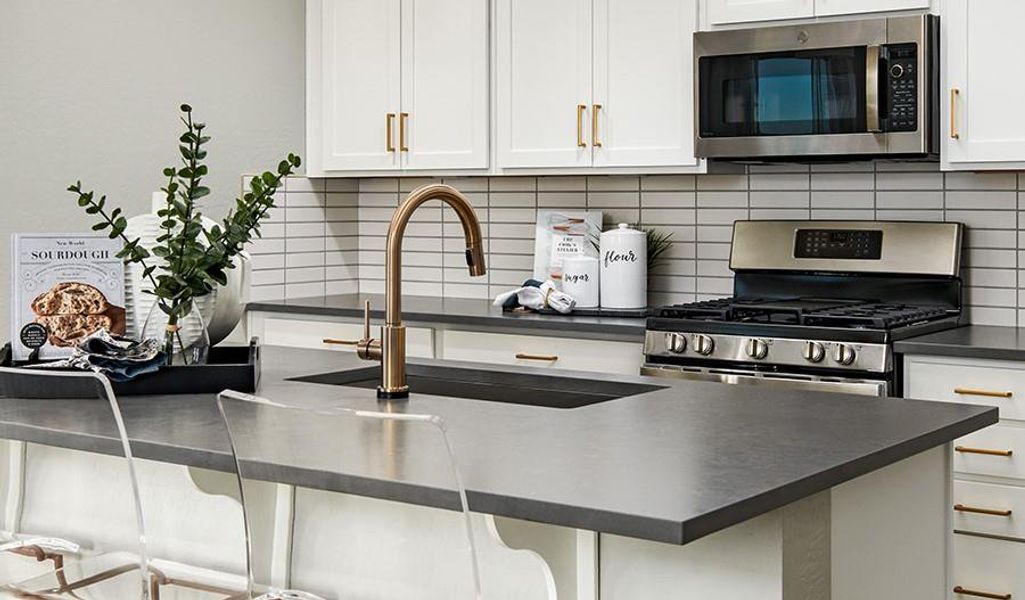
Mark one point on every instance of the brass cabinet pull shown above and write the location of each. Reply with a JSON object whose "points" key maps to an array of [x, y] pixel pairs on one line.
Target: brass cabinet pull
{"points": [[547, 357], [580, 125], [967, 592], [340, 342], [988, 393], [403, 117], [595, 141], [389, 121], [987, 451], [954, 93], [982, 511]]}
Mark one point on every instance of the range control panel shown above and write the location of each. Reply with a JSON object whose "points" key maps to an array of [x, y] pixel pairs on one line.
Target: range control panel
{"points": [[853, 244], [900, 81]]}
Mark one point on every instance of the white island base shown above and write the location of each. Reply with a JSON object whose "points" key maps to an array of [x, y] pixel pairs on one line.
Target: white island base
{"points": [[885, 535]]}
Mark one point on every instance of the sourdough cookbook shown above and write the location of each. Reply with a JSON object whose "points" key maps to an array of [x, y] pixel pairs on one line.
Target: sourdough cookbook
{"points": [[64, 287]]}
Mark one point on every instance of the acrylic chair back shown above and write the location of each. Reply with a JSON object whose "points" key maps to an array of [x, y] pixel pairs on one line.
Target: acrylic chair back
{"points": [[71, 521], [378, 507]]}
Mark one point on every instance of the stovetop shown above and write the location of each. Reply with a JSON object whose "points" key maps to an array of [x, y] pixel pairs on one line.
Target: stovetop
{"points": [[806, 317]]}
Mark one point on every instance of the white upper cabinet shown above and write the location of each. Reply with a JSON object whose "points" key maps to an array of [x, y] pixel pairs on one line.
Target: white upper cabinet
{"points": [[849, 7], [543, 83], [725, 12], [595, 83], [397, 85], [360, 72], [721, 12], [642, 105], [981, 124], [445, 84]]}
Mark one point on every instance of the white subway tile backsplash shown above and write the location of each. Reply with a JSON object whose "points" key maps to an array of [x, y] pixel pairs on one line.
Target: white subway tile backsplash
{"points": [[329, 235]]}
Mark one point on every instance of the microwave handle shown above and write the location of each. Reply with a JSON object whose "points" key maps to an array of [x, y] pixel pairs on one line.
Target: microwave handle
{"points": [[872, 89]]}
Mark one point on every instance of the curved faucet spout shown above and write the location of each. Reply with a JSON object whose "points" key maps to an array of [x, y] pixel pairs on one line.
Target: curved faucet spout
{"points": [[393, 334]]}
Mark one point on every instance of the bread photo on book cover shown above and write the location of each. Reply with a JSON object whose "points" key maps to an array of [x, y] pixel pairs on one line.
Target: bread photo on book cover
{"points": [[73, 310]]}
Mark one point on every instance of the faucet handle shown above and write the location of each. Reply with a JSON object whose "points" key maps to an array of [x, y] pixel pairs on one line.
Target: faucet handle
{"points": [[366, 320]]}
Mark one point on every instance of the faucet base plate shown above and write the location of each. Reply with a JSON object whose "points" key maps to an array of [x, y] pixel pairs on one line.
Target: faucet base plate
{"points": [[384, 394]]}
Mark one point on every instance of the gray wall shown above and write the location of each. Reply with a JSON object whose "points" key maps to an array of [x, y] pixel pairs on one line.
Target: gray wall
{"points": [[90, 90]]}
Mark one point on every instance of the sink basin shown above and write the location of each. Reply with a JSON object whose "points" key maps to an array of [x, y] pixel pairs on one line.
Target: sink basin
{"points": [[552, 391]]}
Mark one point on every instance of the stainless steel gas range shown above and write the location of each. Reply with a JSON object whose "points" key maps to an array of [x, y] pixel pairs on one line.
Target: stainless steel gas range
{"points": [[815, 305]]}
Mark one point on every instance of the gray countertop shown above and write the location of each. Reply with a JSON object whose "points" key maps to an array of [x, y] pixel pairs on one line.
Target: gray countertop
{"points": [[670, 465], [463, 312], [971, 341]]}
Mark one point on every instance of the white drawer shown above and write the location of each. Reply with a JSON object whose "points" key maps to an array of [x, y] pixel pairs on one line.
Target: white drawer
{"points": [[992, 383], [311, 334], [997, 450], [989, 508], [989, 566], [539, 351]]}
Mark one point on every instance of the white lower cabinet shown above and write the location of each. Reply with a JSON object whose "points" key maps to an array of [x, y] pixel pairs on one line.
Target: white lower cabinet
{"points": [[988, 568], [298, 333], [623, 358], [989, 471]]}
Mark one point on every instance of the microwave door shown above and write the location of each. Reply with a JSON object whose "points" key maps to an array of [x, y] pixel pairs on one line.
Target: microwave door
{"points": [[796, 93]]}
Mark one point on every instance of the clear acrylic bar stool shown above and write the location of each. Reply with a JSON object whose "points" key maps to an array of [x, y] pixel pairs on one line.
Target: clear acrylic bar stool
{"points": [[352, 536], [71, 523]]}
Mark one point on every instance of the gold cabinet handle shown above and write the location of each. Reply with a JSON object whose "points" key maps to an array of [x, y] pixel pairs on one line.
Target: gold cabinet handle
{"points": [[986, 451], [545, 357], [967, 592], [954, 93], [580, 125], [403, 117], [987, 393], [389, 121], [996, 512], [595, 141], [340, 342]]}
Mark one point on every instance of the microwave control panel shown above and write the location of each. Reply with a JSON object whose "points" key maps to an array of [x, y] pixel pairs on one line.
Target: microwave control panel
{"points": [[900, 62]]}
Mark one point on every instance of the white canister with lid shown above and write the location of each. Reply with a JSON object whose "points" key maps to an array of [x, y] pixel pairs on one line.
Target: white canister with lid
{"points": [[624, 268], [580, 276]]}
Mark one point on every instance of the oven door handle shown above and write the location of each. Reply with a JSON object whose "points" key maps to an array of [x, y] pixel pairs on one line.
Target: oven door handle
{"points": [[862, 387], [872, 123]]}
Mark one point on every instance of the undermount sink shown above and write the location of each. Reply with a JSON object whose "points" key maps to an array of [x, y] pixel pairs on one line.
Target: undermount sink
{"points": [[552, 391]]}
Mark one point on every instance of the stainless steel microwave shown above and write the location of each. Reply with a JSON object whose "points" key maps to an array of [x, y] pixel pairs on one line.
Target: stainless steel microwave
{"points": [[847, 89]]}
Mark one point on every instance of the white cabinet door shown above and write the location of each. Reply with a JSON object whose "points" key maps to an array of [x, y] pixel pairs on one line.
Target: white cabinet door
{"points": [[849, 7], [622, 358], [721, 12], [543, 77], [981, 94], [445, 84], [360, 83], [643, 83]]}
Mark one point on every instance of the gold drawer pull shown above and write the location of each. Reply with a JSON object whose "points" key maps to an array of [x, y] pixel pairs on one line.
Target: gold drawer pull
{"points": [[595, 140], [580, 125], [982, 511], [340, 342], [389, 123], [547, 357], [967, 592], [954, 93], [986, 451], [987, 393]]}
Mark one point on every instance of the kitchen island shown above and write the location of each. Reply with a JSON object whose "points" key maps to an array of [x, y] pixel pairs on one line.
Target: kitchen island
{"points": [[689, 490]]}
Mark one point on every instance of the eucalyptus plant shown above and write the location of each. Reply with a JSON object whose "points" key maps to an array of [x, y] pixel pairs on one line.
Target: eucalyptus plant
{"points": [[191, 258]]}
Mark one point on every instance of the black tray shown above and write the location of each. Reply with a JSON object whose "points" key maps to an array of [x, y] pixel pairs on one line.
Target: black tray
{"points": [[227, 368]]}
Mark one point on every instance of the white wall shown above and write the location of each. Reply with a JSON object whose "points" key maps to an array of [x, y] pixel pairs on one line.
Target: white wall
{"points": [[90, 90]]}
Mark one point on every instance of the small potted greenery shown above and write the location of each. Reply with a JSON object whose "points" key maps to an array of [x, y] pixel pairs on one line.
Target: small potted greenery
{"points": [[189, 259]]}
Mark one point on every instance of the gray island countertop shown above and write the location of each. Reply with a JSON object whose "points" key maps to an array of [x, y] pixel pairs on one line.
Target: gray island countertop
{"points": [[670, 465], [459, 312]]}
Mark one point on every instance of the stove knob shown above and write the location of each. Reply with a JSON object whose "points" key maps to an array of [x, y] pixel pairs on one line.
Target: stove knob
{"points": [[676, 343], [843, 354], [756, 349], [813, 352], [704, 344]]}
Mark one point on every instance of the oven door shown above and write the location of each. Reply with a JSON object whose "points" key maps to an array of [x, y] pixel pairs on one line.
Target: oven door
{"points": [[817, 89], [863, 387]]}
